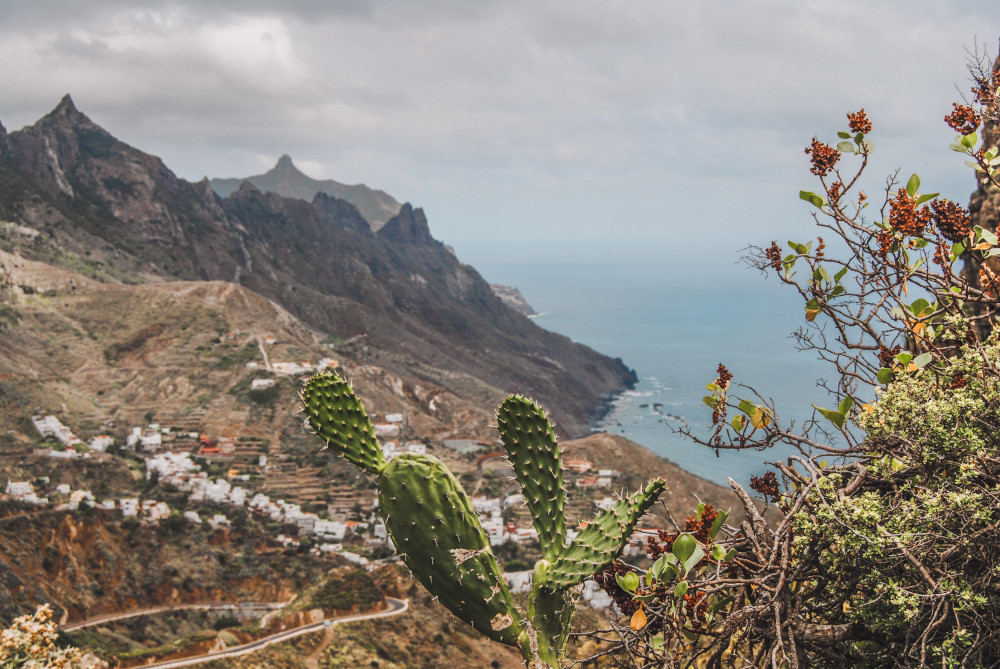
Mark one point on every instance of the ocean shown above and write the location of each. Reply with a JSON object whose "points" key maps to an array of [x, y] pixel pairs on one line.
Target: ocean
{"points": [[674, 331]]}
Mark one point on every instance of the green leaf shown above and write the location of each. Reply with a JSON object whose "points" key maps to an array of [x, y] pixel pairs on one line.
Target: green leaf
{"points": [[711, 400], [656, 642], [839, 275], [970, 140], [884, 375], [956, 147], [718, 552], [845, 405], [718, 523], [926, 198], [660, 567], [834, 417], [837, 290], [956, 250], [712, 386], [629, 582], [747, 407], [812, 198], [919, 306], [684, 547], [719, 604], [844, 135], [738, 422], [701, 510], [858, 138], [904, 358], [921, 360], [681, 589], [730, 555], [845, 147], [912, 185], [988, 236], [694, 559]]}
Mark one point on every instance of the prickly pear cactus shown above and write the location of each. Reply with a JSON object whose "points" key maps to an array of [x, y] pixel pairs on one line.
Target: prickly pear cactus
{"points": [[437, 532]]}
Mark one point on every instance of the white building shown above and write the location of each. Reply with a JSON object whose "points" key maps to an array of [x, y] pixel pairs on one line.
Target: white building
{"points": [[386, 430], [129, 506], [101, 443], [22, 491], [261, 384], [331, 530]]}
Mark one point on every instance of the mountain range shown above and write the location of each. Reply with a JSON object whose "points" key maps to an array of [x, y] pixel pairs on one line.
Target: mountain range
{"points": [[87, 202]]}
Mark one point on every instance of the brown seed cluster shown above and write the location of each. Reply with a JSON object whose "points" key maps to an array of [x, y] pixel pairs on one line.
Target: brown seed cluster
{"points": [[904, 216], [858, 121], [766, 485], [723, 376], [964, 119], [824, 157], [952, 220], [773, 254], [886, 356]]}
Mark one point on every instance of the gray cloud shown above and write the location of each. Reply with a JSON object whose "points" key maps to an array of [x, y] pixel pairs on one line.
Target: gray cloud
{"points": [[512, 116]]}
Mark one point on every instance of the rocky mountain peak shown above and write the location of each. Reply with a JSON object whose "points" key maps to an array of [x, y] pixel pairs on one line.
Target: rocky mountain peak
{"points": [[285, 163], [408, 226]]}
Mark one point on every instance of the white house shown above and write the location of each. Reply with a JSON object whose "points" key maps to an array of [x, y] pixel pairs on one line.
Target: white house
{"points": [[22, 491], [261, 384], [101, 443], [129, 506]]}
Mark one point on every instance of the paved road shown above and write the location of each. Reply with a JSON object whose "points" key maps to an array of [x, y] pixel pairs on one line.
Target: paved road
{"points": [[396, 606], [99, 620]]}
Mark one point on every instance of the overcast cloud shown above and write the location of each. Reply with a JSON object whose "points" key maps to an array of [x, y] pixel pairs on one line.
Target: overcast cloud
{"points": [[635, 127]]}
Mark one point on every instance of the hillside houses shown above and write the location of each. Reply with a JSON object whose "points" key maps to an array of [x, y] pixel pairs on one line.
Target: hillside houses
{"points": [[50, 426]]}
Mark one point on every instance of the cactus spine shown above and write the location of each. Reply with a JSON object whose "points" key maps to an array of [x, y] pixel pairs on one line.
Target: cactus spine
{"points": [[436, 531]]}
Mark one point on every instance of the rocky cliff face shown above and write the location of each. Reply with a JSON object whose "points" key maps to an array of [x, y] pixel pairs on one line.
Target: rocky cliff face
{"points": [[127, 218]]}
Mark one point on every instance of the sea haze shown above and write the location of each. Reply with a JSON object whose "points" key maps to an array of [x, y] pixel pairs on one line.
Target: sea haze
{"points": [[674, 331]]}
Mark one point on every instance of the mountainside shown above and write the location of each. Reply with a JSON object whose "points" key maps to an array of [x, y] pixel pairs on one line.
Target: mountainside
{"points": [[77, 197], [376, 206]]}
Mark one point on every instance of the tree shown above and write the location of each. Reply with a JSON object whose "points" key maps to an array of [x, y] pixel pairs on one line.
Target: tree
{"points": [[886, 547]]}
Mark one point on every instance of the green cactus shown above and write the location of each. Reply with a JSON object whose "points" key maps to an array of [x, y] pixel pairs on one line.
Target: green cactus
{"points": [[436, 531]]}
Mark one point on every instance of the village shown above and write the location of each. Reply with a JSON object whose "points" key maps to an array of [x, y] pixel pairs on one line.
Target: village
{"points": [[178, 460]]}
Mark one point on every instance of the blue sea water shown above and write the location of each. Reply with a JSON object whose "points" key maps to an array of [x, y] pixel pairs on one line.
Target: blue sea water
{"points": [[674, 331]]}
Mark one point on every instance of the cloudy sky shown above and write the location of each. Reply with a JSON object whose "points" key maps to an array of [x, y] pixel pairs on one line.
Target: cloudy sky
{"points": [[655, 129]]}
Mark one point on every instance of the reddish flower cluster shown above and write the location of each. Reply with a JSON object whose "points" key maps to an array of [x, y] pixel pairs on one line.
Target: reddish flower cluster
{"points": [[859, 122], [964, 120], [988, 281], [820, 248], [886, 355], [904, 216], [724, 377], [766, 485], [959, 381], [942, 255], [835, 191], [824, 157], [773, 254], [985, 89], [952, 220]]}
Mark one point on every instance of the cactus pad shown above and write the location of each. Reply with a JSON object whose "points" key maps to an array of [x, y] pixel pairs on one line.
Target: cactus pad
{"points": [[602, 540], [337, 417], [436, 530], [531, 446]]}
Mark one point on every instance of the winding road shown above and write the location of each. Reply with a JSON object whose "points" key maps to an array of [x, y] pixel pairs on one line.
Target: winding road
{"points": [[396, 606]]}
